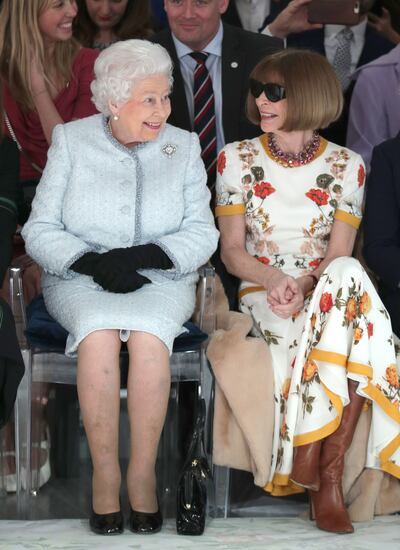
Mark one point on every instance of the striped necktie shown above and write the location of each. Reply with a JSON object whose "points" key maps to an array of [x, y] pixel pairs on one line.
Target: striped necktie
{"points": [[204, 115]]}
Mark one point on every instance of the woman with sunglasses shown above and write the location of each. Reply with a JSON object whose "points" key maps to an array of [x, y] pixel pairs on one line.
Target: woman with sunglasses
{"points": [[289, 205]]}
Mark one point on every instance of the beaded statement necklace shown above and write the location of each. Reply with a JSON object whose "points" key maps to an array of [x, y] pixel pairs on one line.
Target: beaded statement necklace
{"points": [[292, 160]]}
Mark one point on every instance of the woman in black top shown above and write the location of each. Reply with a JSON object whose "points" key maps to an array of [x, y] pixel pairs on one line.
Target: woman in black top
{"points": [[11, 363]]}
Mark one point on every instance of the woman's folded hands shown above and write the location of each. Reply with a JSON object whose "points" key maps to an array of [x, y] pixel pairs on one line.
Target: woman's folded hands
{"points": [[116, 270], [285, 294]]}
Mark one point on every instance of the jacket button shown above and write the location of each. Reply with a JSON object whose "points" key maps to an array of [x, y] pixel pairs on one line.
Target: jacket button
{"points": [[126, 210], [125, 238], [125, 182]]}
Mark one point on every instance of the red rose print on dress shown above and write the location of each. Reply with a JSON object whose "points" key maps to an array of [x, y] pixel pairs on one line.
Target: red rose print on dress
{"points": [[319, 197], [263, 189], [370, 328], [221, 162], [315, 263], [263, 259], [326, 302], [361, 176]]}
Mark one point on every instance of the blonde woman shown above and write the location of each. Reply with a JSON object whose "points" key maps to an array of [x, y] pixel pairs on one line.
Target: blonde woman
{"points": [[46, 77], [289, 205]]}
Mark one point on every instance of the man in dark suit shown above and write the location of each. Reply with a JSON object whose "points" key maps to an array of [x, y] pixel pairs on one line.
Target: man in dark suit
{"points": [[237, 51], [381, 225], [232, 54]]}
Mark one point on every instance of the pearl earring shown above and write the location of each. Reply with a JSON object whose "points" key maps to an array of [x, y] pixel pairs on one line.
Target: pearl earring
{"points": [[116, 117]]}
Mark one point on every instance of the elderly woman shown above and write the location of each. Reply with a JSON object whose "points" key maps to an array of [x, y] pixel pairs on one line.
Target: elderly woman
{"points": [[120, 223], [289, 205]]}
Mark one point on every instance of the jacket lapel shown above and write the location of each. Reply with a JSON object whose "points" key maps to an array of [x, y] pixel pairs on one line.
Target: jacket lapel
{"points": [[232, 75], [180, 113]]}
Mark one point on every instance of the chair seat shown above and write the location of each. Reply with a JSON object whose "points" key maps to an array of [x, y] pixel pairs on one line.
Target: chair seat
{"points": [[46, 334]]}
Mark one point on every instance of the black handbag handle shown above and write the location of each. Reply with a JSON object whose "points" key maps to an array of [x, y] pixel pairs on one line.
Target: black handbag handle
{"points": [[197, 444]]}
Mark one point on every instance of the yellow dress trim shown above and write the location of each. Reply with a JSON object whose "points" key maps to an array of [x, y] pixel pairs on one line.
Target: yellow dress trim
{"points": [[350, 219], [373, 392], [376, 395], [230, 210], [281, 486], [328, 356], [328, 429], [341, 360], [264, 142], [359, 368], [250, 290]]}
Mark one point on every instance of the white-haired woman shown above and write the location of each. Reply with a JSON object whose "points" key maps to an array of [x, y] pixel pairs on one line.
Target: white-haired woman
{"points": [[120, 223]]}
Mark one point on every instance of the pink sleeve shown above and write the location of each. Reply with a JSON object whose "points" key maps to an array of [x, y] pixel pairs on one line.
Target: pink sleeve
{"points": [[84, 73]]}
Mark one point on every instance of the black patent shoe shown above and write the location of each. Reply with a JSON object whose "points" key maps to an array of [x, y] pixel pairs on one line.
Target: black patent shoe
{"points": [[145, 523], [107, 524]]}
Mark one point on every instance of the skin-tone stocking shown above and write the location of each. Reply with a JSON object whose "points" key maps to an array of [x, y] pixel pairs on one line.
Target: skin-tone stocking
{"points": [[98, 390], [148, 391]]}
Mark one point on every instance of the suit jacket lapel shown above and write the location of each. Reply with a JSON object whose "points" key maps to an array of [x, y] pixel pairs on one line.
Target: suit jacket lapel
{"points": [[232, 75], [180, 113]]}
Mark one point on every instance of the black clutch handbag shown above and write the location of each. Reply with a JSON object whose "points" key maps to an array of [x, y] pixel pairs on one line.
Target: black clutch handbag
{"points": [[192, 483]]}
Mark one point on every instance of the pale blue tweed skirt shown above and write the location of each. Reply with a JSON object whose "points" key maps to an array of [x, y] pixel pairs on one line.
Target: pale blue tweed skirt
{"points": [[82, 307]]}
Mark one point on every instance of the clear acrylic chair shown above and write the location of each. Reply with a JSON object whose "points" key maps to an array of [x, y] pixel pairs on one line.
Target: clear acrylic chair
{"points": [[53, 367]]}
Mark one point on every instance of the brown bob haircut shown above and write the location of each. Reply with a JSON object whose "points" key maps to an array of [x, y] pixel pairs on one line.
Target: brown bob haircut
{"points": [[313, 92]]}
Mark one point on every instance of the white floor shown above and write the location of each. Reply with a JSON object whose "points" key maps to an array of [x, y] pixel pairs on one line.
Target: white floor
{"points": [[233, 533]]}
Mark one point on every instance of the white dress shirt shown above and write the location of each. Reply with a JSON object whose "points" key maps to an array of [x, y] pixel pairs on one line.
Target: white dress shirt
{"points": [[252, 13], [213, 64], [356, 45]]}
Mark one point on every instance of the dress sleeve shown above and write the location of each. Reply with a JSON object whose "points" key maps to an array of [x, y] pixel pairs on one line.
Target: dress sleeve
{"points": [[84, 73], [229, 199], [349, 209], [46, 239]]}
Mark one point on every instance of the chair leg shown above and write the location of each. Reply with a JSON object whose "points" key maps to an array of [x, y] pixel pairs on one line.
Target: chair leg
{"points": [[22, 429]]}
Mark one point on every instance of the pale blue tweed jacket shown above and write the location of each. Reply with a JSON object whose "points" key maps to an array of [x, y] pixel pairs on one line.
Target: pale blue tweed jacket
{"points": [[96, 194]]}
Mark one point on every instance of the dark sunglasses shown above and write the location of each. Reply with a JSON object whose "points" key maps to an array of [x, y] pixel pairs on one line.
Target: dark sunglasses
{"points": [[273, 92]]}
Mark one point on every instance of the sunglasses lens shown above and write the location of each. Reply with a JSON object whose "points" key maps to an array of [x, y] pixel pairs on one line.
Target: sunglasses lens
{"points": [[274, 92], [256, 88]]}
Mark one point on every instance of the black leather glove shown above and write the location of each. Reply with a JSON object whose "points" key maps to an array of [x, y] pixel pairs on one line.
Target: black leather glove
{"points": [[86, 264], [143, 256], [121, 283], [122, 263]]}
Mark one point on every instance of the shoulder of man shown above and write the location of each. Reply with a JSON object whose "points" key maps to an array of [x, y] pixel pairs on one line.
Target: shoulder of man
{"points": [[251, 41], [163, 37], [390, 148]]}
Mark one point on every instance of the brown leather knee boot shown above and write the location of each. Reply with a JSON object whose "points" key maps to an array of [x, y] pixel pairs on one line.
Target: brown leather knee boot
{"points": [[305, 471], [328, 503]]}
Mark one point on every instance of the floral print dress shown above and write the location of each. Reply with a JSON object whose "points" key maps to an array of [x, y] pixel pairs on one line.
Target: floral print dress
{"points": [[343, 331]]}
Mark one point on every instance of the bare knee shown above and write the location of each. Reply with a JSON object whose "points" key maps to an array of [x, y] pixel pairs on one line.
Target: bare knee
{"points": [[149, 356], [100, 347]]}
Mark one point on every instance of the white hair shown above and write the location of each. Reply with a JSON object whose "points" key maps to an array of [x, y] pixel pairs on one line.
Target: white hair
{"points": [[119, 67]]}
